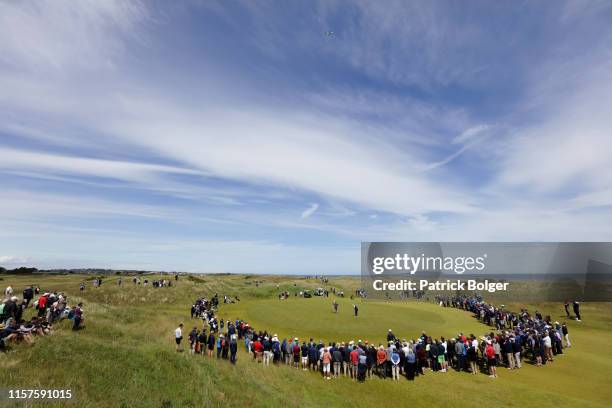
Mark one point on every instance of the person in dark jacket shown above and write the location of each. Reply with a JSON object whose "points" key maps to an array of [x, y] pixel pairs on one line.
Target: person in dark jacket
{"points": [[508, 351], [577, 309], [225, 348], [313, 356], [565, 332], [10, 309], [193, 337], [202, 340], [78, 317], [210, 344], [304, 352], [337, 360], [346, 360], [233, 348], [402, 356], [516, 349], [371, 359], [461, 353], [28, 295], [421, 359], [450, 353], [267, 346], [284, 352], [433, 355]]}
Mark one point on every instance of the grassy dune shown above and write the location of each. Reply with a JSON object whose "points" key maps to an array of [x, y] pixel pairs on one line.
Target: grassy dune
{"points": [[125, 356]]}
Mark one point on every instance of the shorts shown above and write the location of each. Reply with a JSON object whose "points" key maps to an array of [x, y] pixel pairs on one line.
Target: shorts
{"points": [[491, 362], [441, 358], [326, 367], [178, 340], [296, 359], [304, 360]]}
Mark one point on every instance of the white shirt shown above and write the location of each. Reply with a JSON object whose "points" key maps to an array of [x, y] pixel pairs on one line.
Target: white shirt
{"points": [[178, 333]]}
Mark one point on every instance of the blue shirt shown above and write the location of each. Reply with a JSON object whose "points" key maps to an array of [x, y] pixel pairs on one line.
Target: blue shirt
{"points": [[411, 357]]}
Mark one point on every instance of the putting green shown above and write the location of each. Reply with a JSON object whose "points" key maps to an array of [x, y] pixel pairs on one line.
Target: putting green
{"points": [[315, 318]]}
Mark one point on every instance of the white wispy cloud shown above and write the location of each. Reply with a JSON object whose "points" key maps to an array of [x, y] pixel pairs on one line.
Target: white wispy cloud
{"points": [[310, 210], [24, 160], [30, 205], [309, 155], [63, 26], [570, 147], [471, 133], [295, 150], [12, 260], [468, 139]]}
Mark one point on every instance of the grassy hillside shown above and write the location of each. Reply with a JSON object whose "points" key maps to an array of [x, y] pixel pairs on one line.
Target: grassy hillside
{"points": [[125, 356]]}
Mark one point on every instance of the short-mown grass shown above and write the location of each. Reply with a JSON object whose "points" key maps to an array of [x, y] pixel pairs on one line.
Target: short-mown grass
{"points": [[125, 356]]}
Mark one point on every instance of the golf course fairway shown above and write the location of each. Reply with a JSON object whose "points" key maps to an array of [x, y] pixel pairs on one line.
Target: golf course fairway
{"points": [[125, 355]]}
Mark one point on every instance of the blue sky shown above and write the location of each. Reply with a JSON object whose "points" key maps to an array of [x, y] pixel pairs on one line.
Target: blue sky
{"points": [[238, 137]]}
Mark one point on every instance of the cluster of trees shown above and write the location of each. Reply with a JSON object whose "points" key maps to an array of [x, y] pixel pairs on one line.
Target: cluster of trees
{"points": [[90, 271], [18, 271]]}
